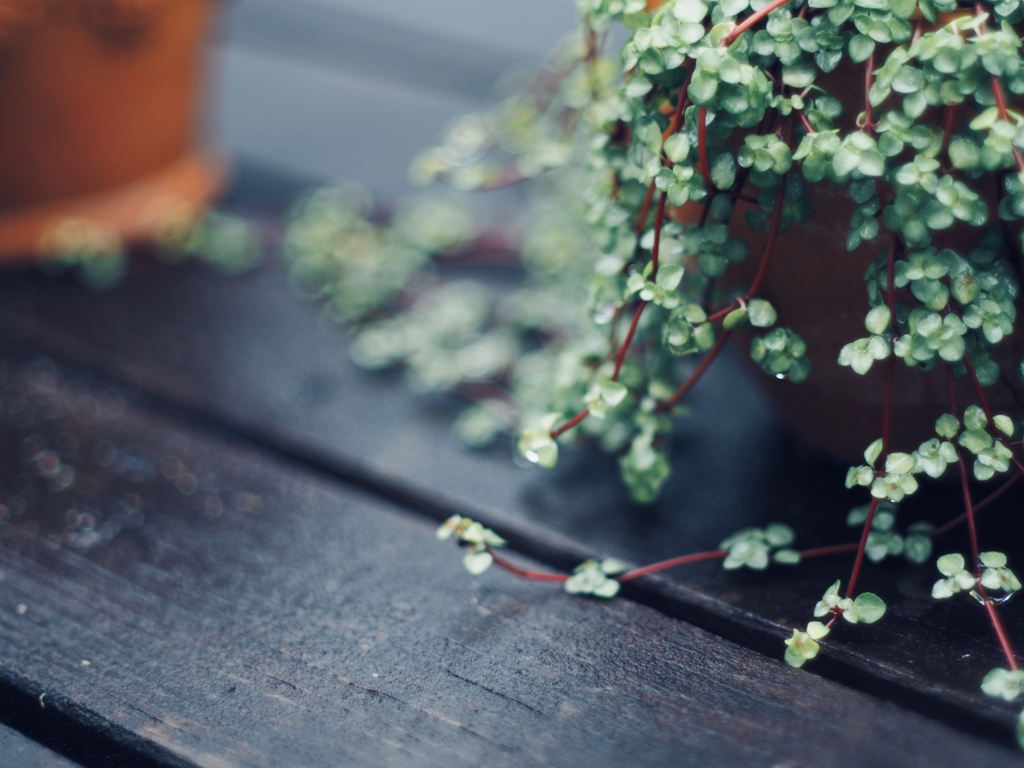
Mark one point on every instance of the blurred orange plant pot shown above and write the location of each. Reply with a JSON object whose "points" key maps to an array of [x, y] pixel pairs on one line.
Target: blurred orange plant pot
{"points": [[101, 117]]}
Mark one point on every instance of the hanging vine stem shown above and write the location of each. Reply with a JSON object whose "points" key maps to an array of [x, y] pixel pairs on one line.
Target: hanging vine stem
{"points": [[769, 250], [986, 407], [969, 513], [890, 374], [702, 113], [674, 125], [997, 89]]}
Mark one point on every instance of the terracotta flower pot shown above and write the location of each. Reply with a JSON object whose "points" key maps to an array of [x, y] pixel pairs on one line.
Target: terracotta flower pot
{"points": [[818, 289], [100, 120]]}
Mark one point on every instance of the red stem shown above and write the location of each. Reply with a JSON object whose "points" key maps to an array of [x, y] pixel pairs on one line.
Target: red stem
{"points": [[969, 507], [621, 357], [991, 498], [964, 484], [947, 132], [750, 21], [556, 433], [680, 393], [523, 572], [861, 548], [997, 625], [805, 121], [769, 247], [675, 562], [997, 92], [869, 80], [890, 374], [702, 148], [983, 401], [659, 222], [834, 549], [645, 208]]}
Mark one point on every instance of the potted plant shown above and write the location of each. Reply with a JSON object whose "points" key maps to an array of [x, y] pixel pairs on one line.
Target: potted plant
{"points": [[100, 128], [739, 171]]}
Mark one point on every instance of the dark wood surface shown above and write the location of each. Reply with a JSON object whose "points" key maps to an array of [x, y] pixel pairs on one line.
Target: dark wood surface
{"points": [[191, 598], [21, 751], [245, 355], [215, 533]]}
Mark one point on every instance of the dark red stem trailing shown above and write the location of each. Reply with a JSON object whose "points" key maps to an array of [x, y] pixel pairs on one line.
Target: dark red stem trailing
{"points": [[997, 92], [806, 123], [675, 562], [985, 406], [773, 236], [890, 374], [970, 510], [869, 80], [702, 113], [702, 148], [659, 223], [964, 486], [556, 433], [1000, 630], [621, 357], [769, 249], [645, 208], [861, 548], [525, 573], [694, 377], [750, 21], [834, 549], [990, 499]]}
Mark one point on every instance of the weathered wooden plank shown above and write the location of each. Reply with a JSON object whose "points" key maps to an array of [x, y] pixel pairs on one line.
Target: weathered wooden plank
{"points": [[18, 752], [247, 353], [205, 603]]}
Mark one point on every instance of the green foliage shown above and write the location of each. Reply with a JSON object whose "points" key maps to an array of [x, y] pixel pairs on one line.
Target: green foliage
{"points": [[1004, 684], [866, 608], [592, 578], [884, 541], [649, 166], [756, 548], [803, 646], [475, 538]]}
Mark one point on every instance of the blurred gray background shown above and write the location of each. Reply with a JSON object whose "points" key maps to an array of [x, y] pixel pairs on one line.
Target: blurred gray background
{"points": [[343, 88]]}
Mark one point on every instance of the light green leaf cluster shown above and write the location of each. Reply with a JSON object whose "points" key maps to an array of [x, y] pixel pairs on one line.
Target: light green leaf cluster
{"points": [[537, 445], [663, 291], [592, 578], [781, 353], [803, 645], [1003, 684], [866, 608], [861, 354], [884, 541], [475, 537], [957, 577], [996, 575], [894, 482], [755, 548], [687, 331], [991, 454], [645, 466], [603, 395]]}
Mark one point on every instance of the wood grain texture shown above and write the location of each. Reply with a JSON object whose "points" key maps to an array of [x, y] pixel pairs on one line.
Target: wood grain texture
{"points": [[16, 751], [246, 354], [208, 604]]}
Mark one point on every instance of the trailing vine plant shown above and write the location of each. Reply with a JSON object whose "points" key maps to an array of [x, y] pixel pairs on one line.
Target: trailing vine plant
{"points": [[715, 120]]}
